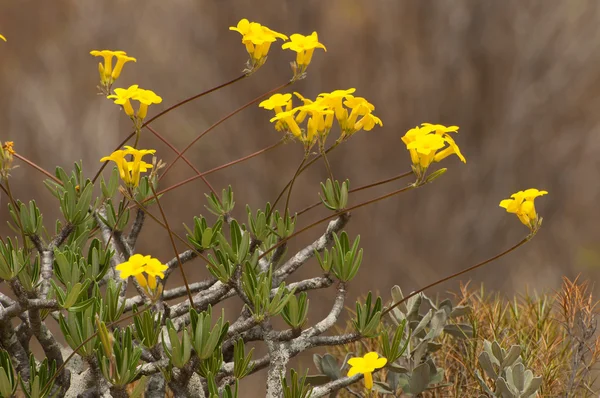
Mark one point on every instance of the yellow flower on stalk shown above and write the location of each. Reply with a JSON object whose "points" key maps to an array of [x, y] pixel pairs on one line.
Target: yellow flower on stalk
{"points": [[359, 107], [108, 75], [290, 124], [335, 100], [277, 102], [257, 39], [366, 365], [123, 97], [426, 146], [137, 266], [319, 123], [304, 46], [522, 204], [145, 98], [2, 38], [430, 143], [129, 170]]}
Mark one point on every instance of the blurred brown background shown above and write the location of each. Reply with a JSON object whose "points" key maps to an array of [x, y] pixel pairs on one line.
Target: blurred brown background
{"points": [[520, 78]]}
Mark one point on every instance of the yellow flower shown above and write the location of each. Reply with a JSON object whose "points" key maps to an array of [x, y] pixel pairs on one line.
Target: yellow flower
{"points": [[107, 74], [257, 39], [137, 266], [144, 97], [123, 96], [134, 266], [449, 150], [277, 102], [359, 107], [2, 37], [427, 144], [130, 170], [303, 113], [335, 99], [319, 123], [304, 46], [522, 204], [366, 365], [287, 117]]}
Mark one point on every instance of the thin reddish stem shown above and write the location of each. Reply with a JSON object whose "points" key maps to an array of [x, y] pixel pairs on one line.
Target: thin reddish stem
{"points": [[38, 168], [217, 123], [169, 109], [464, 271]]}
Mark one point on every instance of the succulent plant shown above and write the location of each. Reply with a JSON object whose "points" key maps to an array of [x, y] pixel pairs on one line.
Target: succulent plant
{"points": [[505, 368]]}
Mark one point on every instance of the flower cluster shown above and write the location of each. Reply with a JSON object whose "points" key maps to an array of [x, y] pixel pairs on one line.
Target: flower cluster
{"points": [[430, 143], [137, 266], [521, 204], [108, 74], [366, 365], [258, 38], [124, 96], [352, 113], [130, 170]]}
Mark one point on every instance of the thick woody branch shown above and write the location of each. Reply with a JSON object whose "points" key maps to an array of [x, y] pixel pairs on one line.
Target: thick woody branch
{"points": [[170, 294], [308, 252], [136, 228], [336, 385], [173, 264]]}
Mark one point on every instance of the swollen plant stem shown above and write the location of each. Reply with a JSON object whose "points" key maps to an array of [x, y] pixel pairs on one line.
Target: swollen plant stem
{"points": [[217, 123], [464, 271]]}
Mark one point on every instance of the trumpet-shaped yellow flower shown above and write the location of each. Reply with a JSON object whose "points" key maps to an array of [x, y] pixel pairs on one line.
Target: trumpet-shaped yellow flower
{"points": [[144, 97], [426, 146], [123, 97], [137, 266], [2, 38], [108, 75], [129, 171], [334, 100], [257, 39], [319, 123], [287, 117], [304, 46], [277, 102], [522, 204], [429, 143], [366, 365], [358, 107]]}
